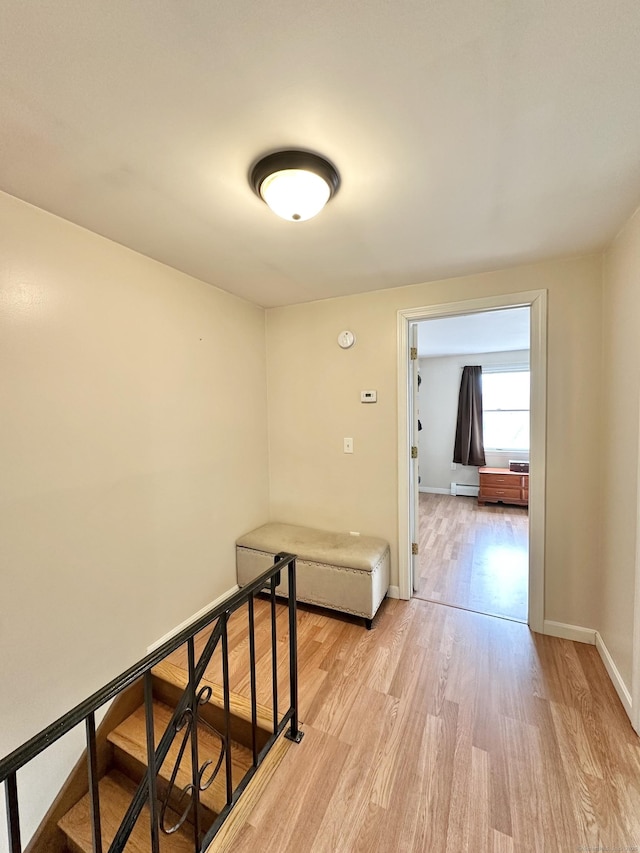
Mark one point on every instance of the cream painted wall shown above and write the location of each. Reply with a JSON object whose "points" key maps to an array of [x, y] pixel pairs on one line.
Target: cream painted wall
{"points": [[133, 421], [438, 406], [134, 443], [621, 382], [314, 401]]}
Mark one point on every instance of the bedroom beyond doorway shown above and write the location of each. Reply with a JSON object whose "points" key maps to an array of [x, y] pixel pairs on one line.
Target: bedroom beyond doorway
{"points": [[474, 557], [474, 402]]}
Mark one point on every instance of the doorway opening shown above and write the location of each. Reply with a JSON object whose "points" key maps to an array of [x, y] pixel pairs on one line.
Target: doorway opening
{"points": [[473, 541], [408, 467]]}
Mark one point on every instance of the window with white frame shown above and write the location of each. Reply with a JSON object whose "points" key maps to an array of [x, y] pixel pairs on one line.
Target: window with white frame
{"points": [[505, 407]]}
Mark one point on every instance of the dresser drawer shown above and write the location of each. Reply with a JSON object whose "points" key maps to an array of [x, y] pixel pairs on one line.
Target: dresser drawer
{"points": [[489, 491], [502, 481]]}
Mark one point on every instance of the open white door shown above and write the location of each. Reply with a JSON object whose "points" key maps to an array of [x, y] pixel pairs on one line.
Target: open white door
{"points": [[413, 462]]}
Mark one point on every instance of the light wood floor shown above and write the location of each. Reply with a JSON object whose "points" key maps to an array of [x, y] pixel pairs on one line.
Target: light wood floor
{"points": [[442, 730], [473, 556]]}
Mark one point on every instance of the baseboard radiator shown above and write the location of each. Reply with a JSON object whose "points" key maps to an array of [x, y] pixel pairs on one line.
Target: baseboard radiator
{"points": [[462, 489]]}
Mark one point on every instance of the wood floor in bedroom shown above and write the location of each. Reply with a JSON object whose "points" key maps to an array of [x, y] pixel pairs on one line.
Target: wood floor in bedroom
{"points": [[444, 731], [475, 557]]}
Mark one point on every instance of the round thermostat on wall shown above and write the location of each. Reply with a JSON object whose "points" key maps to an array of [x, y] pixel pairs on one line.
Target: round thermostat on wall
{"points": [[346, 339]]}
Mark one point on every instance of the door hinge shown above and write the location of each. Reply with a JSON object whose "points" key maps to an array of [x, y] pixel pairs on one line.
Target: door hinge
{"points": [[414, 548], [414, 452], [413, 353]]}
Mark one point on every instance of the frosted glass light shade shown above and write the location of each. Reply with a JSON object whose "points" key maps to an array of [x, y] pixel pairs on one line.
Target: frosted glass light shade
{"points": [[295, 184], [295, 194]]}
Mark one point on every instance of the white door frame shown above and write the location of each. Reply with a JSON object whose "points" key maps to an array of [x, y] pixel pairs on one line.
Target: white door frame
{"points": [[414, 477], [635, 655], [536, 300]]}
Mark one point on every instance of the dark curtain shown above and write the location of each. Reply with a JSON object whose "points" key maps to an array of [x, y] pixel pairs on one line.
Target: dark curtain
{"points": [[469, 445]]}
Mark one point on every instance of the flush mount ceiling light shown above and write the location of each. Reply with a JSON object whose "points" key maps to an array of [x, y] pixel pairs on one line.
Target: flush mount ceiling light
{"points": [[295, 184]]}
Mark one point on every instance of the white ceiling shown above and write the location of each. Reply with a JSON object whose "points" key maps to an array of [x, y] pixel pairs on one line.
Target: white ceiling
{"points": [[470, 134], [491, 331]]}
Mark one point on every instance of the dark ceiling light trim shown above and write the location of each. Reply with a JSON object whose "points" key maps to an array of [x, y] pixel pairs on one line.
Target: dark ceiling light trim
{"points": [[290, 169]]}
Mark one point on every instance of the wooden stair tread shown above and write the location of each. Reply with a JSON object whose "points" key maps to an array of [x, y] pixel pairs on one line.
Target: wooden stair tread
{"points": [[130, 737], [240, 706], [116, 793]]}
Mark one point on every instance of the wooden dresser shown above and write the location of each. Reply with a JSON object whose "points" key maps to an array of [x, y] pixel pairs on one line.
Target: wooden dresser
{"points": [[502, 485]]}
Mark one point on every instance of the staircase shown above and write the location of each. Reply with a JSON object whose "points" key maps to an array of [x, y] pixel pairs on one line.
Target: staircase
{"points": [[126, 766], [175, 752]]}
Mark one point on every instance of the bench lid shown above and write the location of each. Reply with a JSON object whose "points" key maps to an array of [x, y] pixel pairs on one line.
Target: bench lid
{"points": [[317, 546]]}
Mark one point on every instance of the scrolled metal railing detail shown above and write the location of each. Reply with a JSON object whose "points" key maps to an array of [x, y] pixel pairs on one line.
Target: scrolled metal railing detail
{"points": [[187, 722], [202, 698], [184, 721]]}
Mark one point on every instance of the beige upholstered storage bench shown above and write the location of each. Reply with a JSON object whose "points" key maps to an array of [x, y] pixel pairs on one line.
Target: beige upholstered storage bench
{"points": [[335, 570]]}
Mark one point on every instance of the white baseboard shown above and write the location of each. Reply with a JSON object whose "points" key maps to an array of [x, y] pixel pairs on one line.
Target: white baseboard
{"points": [[570, 632], [431, 490], [593, 638], [614, 675], [192, 619], [393, 592]]}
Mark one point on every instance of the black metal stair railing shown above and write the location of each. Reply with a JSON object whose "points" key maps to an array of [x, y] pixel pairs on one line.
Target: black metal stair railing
{"points": [[185, 721]]}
